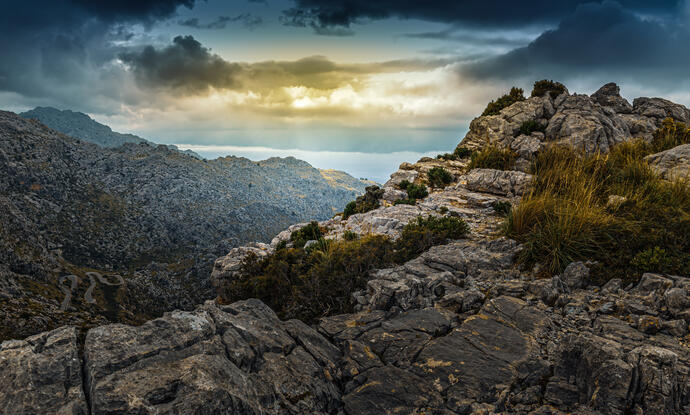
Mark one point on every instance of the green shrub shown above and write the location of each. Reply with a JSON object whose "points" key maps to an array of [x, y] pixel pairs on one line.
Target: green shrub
{"points": [[415, 191], [443, 210], [403, 185], [670, 134], [553, 88], [492, 157], [405, 202], [281, 245], [306, 233], [370, 200], [495, 107], [439, 177], [350, 236], [316, 282], [564, 218], [530, 126], [501, 208], [459, 154], [420, 235]]}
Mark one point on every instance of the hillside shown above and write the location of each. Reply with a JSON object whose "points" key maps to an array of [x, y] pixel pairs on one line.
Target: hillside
{"points": [[69, 207], [540, 268]]}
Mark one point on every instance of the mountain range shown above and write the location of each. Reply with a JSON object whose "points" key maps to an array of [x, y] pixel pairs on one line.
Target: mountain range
{"points": [[69, 206]]}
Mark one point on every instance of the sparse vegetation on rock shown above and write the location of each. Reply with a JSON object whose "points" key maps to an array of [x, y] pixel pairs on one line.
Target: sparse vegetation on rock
{"points": [[439, 177], [495, 107], [316, 282], [370, 200], [565, 217], [545, 86], [530, 126], [492, 157]]}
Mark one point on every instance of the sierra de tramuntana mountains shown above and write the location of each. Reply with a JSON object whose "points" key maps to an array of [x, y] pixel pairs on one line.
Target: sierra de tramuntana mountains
{"points": [[458, 329], [156, 215]]}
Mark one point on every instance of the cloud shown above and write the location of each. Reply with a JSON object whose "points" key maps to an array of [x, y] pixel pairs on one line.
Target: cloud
{"points": [[495, 13], [63, 49], [247, 20], [599, 41], [185, 65]]}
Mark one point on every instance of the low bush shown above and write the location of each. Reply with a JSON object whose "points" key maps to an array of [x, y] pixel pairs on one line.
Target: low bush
{"points": [[492, 157], [439, 177], [417, 191], [370, 200], [545, 86], [350, 236], [530, 126], [414, 192], [495, 107], [670, 134], [316, 282], [565, 217], [501, 208], [459, 154], [422, 234], [405, 202], [306, 233]]}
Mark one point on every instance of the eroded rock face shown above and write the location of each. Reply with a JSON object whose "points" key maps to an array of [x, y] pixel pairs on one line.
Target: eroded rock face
{"points": [[505, 183], [42, 375], [673, 163], [592, 123]]}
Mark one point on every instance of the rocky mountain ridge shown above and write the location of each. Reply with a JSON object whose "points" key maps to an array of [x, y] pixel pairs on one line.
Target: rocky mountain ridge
{"points": [[458, 330], [70, 207]]}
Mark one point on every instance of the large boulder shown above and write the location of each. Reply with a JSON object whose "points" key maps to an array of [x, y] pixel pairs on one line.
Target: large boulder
{"points": [[582, 123], [501, 182], [609, 96], [502, 128], [42, 375], [671, 164], [232, 359]]}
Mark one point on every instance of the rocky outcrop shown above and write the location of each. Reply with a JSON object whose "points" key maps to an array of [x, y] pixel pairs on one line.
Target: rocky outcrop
{"points": [[592, 123], [673, 163]]}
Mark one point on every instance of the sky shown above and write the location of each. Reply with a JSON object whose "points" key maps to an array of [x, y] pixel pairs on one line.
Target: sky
{"points": [[359, 85]]}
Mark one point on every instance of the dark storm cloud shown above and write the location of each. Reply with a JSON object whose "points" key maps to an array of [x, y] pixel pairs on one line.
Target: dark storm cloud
{"points": [[247, 20], [497, 13], [52, 44], [185, 65], [599, 39]]}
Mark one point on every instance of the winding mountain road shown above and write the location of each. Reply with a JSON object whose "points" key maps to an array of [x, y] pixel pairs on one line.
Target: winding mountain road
{"points": [[88, 295]]}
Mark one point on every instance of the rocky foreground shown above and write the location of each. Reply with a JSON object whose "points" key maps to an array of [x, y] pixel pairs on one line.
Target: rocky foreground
{"points": [[458, 330]]}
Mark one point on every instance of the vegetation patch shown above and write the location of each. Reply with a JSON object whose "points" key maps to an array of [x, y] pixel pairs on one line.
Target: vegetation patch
{"points": [[670, 134], [414, 191], [545, 86], [530, 126], [501, 208], [565, 217], [370, 200], [316, 282], [309, 232], [439, 177], [495, 107], [492, 157], [459, 154]]}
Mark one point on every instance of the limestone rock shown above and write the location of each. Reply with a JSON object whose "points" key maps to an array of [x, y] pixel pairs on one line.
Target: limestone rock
{"points": [[42, 374], [583, 124], [609, 96], [673, 163], [505, 183]]}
